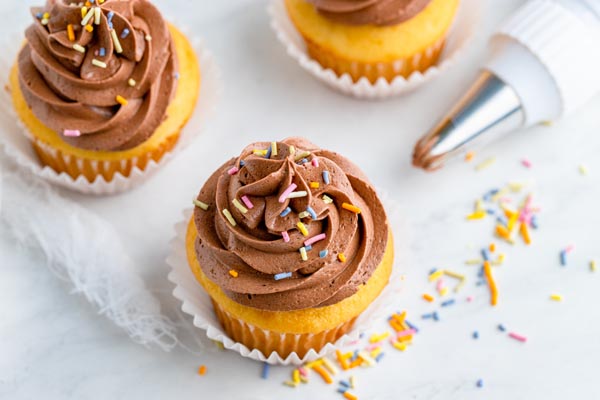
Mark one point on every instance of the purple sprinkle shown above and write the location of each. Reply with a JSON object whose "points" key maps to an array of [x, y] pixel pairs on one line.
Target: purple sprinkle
{"points": [[125, 33]]}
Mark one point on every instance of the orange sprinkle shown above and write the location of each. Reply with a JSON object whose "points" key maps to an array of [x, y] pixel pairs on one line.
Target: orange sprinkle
{"points": [[314, 185], [487, 269], [525, 233], [396, 325], [492, 247], [503, 233], [342, 257], [202, 370], [121, 100], [469, 156], [356, 363], [341, 360], [70, 32], [428, 297], [324, 374], [350, 207], [399, 317], [350, 396], [89, 28], [233, 273]]}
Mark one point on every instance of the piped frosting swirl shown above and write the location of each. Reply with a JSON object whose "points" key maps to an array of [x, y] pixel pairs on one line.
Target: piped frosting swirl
{"points": [[369, 12], [289, 226], [102, 76]]}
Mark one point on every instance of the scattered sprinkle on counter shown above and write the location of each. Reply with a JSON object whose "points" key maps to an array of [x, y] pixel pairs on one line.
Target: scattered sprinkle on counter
{"points": [[485, 164], [202, 370], [556, 297]]}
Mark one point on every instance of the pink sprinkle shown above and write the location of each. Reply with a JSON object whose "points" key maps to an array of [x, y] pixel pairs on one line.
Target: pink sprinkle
{"points": [[407, 332], [373, 346], [72, 132], [287, 192], [569, 248], [286, 236], [518, 337], [303, 372], [315, 162], [233, 170], [247, 202], [526, 163], [315, 239], [469, 298], [439, 285]]}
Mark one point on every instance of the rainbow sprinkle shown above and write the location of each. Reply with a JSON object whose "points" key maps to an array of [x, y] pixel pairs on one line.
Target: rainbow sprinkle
{"points": [[71, 133], [283, 197], [311, 212], [79, 48], [295, 195], [233, 273], [327, 199], [247, 202], [265, 371], [125, 33], [326, 177], [315, 239], [229, 217], [98, 63], [282, 275], [285, 212], [517, 336], [286, 236], [351, 208], [342, 257], [121, 100], [131, 82], [233, 170], [239, 206], [302, 228], [116, 42], [303, 254], [200, 204]]}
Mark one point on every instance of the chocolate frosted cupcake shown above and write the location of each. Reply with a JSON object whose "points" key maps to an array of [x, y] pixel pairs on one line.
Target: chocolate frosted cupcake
{"points": [[292, 244], [104, 87], [373, 38]]}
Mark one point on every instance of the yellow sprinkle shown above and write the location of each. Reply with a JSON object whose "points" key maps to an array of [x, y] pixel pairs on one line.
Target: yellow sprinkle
{"points": [[469, 156], [70, 32], [556, 297], [593, 265], [229, 217], [352, 382], [239, 206], [314, 185], [290, 384], [302, 155], [428, 297], [512, 221], [453, 274], [478, 205], [330, 366], [302, 228], [89, 28], [547, 123], [376, 352], [474, 261], [435, 275], [233, 273], [273, 148], [121, 100], [351, 208], [79, 48], [342, 257], [303, 214], [100, 1], [296, 376], [116, 42], [327, 199], [259, 152], [292, 150], [460, 285], [83, 12], [98, 63], [500, 193], [131, 82], [400, 345], [366, 358], [378, 338], [97, 14], [88, 16], [315, 363], [516, 186], [200, 204], [443, 291], [479, 214], [303, 254], [483, 165], [583, 170], [500, 259], [46, 15]]}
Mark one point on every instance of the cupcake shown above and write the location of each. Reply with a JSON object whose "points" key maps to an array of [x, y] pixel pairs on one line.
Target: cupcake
{"points": [[373, 38], [291, 243], [104, 87]]}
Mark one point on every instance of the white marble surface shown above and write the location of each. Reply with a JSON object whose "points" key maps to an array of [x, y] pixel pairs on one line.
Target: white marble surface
{"points": [[53, 346]]}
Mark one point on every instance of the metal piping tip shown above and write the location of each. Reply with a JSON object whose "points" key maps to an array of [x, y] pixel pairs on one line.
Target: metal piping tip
{"points": [[489, 108]]}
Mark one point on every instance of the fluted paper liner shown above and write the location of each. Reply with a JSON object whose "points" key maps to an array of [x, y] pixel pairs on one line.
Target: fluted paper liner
{"points": [[198, 304], [339, 74], [16, 140]]}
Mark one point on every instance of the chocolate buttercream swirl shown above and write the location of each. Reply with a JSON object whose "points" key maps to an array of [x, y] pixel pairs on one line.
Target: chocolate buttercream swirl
{"points": [[105, 84], [369, 12], [263, 247]]}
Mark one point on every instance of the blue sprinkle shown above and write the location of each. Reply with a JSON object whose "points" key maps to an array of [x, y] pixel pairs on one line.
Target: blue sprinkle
{"points": [[39, 15], [110, 15], [479, 283], [242, 163], [448, 303], [475, 335], [269, 150], [488, 195], [563, 258], [125, 33], [436, 317], [379, 357], [345, 384], [427, 316], [362, 334], [480, 383], [323, 253], [312, 212], [176, 75], [433, 271], [326, 177], [501, 328], [304, 161], [308, 248], [485, 253], [110, 26], [285, 212], [490, 211], [282, 275], [481, 272], [265, 371], [411, 326], [534, 222], [102, 52], [342, 390]]}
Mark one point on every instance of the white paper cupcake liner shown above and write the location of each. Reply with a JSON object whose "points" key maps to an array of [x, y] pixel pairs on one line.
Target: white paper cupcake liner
{"points": [[15, 140], [197, 303], [461, 32]]}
